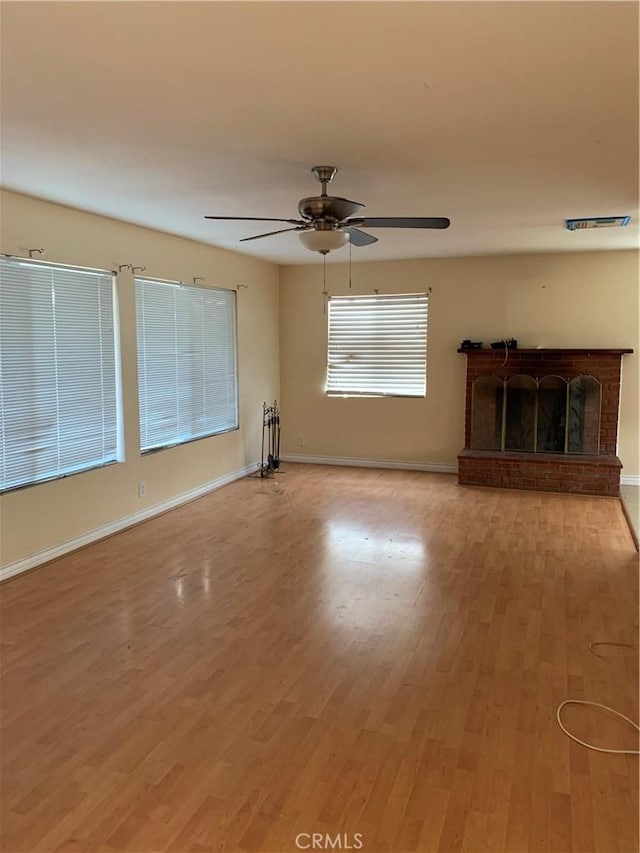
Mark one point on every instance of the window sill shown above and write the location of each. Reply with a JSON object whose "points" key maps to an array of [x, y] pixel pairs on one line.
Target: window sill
{"points": [[150, 450], [361, 395]]}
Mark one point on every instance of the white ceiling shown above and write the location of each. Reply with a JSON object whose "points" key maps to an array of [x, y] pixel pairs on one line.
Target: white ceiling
{"points": [[507, 117]]}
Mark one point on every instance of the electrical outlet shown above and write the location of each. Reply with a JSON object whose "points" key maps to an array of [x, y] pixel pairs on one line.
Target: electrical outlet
{"points": [[142, 489], [301, 441]]}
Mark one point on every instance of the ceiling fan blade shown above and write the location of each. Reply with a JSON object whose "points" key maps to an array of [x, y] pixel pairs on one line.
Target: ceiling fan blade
{"points": [[271, 233], [359, 238], [401, 222], [257, 219]]}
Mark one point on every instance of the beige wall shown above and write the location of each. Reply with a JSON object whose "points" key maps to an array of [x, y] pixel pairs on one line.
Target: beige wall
{"points": [[555, 300], [586, 299], [41, 517]]}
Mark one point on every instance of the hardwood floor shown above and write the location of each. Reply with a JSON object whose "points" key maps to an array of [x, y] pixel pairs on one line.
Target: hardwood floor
{"points": [[335, 651]]}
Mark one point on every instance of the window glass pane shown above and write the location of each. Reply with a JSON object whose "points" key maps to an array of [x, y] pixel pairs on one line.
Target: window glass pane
{"points": [[377, 345], [59, 384], [187, 376]]}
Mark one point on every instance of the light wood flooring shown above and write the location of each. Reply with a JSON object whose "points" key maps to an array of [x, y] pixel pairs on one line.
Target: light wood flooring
{"points": [[333, 651]]}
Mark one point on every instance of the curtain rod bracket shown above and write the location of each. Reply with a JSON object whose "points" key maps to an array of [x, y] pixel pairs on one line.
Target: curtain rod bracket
{"points": [[31, 251]]}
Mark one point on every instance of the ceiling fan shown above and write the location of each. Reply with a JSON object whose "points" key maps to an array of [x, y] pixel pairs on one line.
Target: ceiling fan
{"points": [[329, 222]]}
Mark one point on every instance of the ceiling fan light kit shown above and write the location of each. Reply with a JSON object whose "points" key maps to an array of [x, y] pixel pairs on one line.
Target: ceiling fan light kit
{"points": [[328, 222], [324, 241]]}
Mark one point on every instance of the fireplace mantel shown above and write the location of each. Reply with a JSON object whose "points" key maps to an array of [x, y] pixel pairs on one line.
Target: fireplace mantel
{"points": [[543, 418], [546, 351]]}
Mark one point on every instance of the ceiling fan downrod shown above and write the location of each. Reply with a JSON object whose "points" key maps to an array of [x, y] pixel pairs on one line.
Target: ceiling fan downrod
{"points": [[324, 174]]}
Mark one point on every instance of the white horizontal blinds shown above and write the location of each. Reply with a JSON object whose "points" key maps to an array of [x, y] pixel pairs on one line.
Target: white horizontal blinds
{"points": [[58, 371], [377, 345], [187, 375]]}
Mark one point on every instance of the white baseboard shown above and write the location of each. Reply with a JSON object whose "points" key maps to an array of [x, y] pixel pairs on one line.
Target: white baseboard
{"points": [[48, 554], [629, 480], [435, 467]]}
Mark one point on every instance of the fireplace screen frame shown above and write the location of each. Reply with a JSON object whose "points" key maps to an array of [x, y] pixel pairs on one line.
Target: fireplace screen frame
{"points": [[524, 382]]}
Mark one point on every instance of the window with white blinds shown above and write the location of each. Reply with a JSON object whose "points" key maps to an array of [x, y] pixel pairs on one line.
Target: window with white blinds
{"points": [[377, 345], [59, 371], [187, 363]]}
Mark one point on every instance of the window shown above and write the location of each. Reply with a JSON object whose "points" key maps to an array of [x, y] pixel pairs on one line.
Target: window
{"points": [[187, 377], [377, 346], [59, 371]]}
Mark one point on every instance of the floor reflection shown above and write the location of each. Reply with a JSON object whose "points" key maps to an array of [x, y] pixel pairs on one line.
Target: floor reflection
{"points": [[359, 541], [371, 576]]}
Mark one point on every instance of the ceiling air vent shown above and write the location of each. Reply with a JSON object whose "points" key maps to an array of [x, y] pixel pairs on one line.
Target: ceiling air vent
{"points": [[597, 222]]}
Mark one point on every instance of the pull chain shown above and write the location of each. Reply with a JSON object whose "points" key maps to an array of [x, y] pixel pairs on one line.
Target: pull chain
{"points": [[349, 264], [324, 282]]}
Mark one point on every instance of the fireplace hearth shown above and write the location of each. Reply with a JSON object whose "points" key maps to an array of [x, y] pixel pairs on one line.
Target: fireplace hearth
{"points": [[543, 419]]}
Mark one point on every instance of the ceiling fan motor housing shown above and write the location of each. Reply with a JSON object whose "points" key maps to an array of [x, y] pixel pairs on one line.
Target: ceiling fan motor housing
{"points": [[331, 209]]}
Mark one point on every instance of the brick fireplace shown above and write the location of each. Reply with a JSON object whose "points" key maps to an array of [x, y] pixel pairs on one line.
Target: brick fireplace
{"points": [[542, 419]]}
